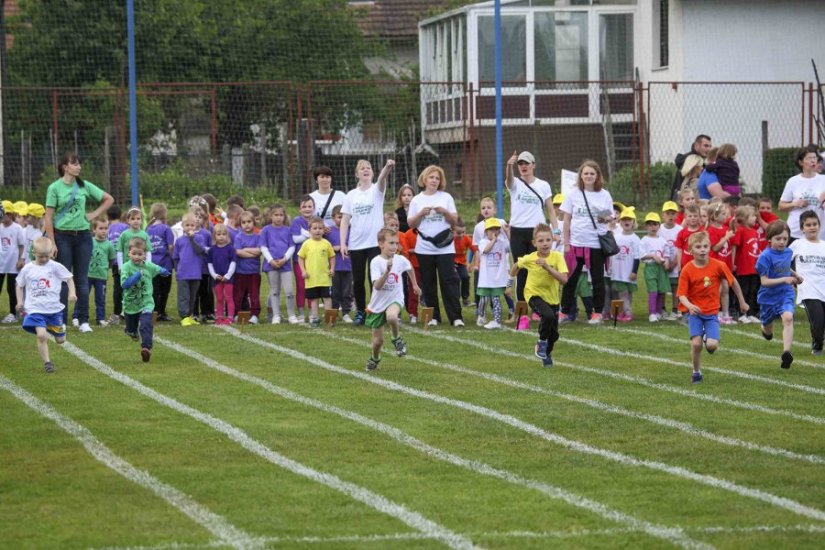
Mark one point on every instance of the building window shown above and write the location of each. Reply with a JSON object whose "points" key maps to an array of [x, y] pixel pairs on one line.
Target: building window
{"points": [[513, 48], [616, 47], [661, 33], [560, 46]]}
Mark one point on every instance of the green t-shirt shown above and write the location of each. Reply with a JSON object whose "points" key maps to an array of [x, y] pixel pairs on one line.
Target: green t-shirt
{"points": [[70, 215], [128, 235], [102, 253], [138, 297]]}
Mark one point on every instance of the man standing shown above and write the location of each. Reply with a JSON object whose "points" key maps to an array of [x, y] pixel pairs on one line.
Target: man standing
{"points": [[701, 145]]}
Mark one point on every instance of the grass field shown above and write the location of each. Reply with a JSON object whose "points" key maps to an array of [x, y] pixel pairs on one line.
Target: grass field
{"points": [[277, 437]]}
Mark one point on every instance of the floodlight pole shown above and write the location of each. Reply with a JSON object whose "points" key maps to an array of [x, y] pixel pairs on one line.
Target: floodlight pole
{"points": [[133, 141], [499, 137]]}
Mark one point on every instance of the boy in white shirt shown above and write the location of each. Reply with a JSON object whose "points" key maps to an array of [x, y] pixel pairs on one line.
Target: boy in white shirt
{"points": [[653, 255], [12, 245], [42, 280], [668, 231], [624, 266], [387, 298]]}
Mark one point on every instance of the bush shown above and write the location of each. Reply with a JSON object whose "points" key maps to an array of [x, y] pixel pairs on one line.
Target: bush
{"points": [[777, 166], [624, 187]]}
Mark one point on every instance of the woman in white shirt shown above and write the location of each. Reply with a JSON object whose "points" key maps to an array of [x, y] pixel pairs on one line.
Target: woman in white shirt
{"points": [[326, 198], [433, 213], [581, 239], [363, 218], [804, 191], [529, 198]]}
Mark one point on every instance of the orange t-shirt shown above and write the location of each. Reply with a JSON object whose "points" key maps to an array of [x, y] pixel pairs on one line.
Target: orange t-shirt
{"points": [[701, 285], [462, 244], [407, 240]]}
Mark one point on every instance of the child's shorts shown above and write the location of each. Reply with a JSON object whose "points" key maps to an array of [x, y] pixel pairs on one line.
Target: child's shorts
{"points": [[583, 288], [317, 292], [378, 320], [707, 325], [768, 314], [52, 322], [621, 286], [486, 291], [656, 280], [674, 281]]}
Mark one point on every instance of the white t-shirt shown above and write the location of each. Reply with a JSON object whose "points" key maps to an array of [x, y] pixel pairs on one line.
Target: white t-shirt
{"points": [[494, 266], [393, 289], [807, 189], [478, 230], [810, 263], [669, 235], [367, 211], [581, 228], [433, 223], [558, 246], [621, 265], [42, 285], [526, 210], [321, 201], [30, 233], [651, 245], [11, 238]]}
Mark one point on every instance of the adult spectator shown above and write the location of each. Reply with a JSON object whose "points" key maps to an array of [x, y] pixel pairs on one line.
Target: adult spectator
{"points": [[433, 212], [326, 198], [805, 191], [363, 218], [67, 225], [530, 197], [402, 206], [708, 186], [701, 146], [582, 208]]}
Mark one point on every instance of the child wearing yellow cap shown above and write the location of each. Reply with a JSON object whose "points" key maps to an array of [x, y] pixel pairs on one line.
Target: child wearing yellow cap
{"points": [[654, 257], [625, 265], [493, 273], [12, 245], [669, 230]]}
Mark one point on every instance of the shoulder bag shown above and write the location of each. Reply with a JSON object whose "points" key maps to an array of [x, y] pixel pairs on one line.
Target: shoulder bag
{"points": [[607, 242]]}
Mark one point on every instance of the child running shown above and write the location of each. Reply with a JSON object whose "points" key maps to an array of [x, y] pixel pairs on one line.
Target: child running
{"points": [[546, 272], [494, 271], [809, 255], [776, 293], [277, 249], [317, 262], [42, 280], [221, 261], [387, 299], [699, 296], [136, 279]]}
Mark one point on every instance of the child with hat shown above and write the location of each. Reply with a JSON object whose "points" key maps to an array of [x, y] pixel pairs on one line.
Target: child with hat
{"points": [[34, 226], [652, 249], [625, 265], [668, 231], [12, 245], [493, 272]]}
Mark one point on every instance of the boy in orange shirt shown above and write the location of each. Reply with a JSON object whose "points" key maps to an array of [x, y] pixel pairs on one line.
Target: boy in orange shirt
{"points": [[463, 243], [698, 294]]}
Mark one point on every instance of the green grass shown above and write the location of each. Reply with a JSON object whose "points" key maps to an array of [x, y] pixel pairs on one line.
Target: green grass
{"points": [[535, 424]]}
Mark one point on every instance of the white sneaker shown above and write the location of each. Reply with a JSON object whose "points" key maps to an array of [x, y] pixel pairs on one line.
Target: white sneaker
{"points": [[432, 323], [754, 319], [744, 319], [653, 318], [276, 319], [85, 328], [458, 323], [492, 325], [413, 319], [481, 321], [253, 320], [9, 319], [346, 318], [293, 320], [75, 323]]}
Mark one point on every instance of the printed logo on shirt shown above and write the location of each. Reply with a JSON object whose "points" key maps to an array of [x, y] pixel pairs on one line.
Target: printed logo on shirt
{"points": [[392, 279], [362, 209], [706, 281], [752, 246], [39, 287], [816, 261], [5, 243], [528, 197]]}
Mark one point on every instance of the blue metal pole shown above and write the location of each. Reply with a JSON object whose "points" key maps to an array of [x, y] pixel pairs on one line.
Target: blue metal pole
{"points": [[499, 138], [133, 140]]}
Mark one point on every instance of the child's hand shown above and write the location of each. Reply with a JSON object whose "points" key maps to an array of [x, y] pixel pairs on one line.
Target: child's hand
{"points": [[190, 233], [512, 160], [694, 309], [541, 262], [799, 278], [306, 275], [417, 290], [19, 308], [332, 273], [218, 278], [743, 307], [20, 263], [730, 234], [165, 273], [389, 265], [508, 292], [72, 297], [274, 263], [632, 277]]}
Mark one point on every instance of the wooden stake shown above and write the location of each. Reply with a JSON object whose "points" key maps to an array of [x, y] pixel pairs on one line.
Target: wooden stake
{"points": [[243, 318]]}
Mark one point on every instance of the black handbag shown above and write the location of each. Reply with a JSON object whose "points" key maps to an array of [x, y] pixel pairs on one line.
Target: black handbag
{"points": [[607, 242], [443, 239]]}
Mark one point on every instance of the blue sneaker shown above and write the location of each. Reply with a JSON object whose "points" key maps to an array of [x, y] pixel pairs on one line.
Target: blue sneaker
{"points": [[360, 317], [547, 362], [697, 378], [541, 349]]}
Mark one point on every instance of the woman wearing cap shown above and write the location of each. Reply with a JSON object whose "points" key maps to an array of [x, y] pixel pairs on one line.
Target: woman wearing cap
{"points": [[530, 197], [433, 213], [581, 239], [67, 225]]}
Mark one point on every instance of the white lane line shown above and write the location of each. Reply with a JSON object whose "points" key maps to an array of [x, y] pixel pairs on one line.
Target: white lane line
{"points": [[227, 533], [776, 341], [573, 445], [628, 378], [356, 492], [599, 405], [726, 348], [655, 530]]}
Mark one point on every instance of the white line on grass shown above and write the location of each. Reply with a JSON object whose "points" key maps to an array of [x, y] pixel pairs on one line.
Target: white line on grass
{"points": [[228, 534], [573, 445], [599, 405], [727, 348], [628, 378], [356, 492], [777, 339], [659, 531]]}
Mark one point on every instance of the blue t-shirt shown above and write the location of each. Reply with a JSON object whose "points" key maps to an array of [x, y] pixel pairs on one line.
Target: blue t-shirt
{"points": [[161, 238], [334, 238], [247, 266], [221, 257], [705, 179], [774, 265], [277, 240]]}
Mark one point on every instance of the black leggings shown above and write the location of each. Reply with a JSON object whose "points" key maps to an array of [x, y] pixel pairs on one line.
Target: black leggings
{"points": [[521, 244], [360, 274], [750, 288], [11, 289], [442, 267], [815, 309], [568, 294], [549, 325], [161, 287]]}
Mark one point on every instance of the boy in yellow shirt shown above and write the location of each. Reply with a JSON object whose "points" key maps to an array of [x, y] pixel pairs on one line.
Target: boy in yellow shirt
{"points": [[317, 261], [546, 272]]}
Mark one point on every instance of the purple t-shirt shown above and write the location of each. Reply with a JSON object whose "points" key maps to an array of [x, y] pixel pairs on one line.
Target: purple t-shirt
{"points": [[298, 224], [232, 233], [115, 230], [247, 266], [207, 237], [334, 238], [220, 257], [277, 240], [161, 238], [187, 261]]}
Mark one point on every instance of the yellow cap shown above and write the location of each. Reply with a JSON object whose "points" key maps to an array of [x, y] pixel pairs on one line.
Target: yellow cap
{"points": [[492, 223], [36, 210], [21, 208], [653, 217], [618, 206], [628, 212], [8, 207], [558, 199], [670, 205]]}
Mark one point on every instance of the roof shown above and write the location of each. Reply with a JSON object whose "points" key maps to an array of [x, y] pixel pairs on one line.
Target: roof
{"points": [[394, 18]]}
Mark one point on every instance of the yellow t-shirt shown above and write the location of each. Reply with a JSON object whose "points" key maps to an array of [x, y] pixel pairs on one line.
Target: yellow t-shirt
{"points": [[539, 282], [316, 255]]}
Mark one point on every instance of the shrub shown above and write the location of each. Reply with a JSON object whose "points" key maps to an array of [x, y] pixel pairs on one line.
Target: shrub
{"points": [[624, 187], [777, 166]]}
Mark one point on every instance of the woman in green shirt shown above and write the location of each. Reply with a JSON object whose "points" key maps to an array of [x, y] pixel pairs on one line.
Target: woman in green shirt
{"points": [[67, 225]]}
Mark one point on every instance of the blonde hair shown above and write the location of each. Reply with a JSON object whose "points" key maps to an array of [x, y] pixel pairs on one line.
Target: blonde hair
{"points": [[717, 210], [698, 237], [425, 173], [599, 184], [190, 216], [42, 245], [247, 215], [743, 213], [360, 164], [219, 228]]}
